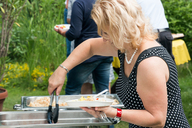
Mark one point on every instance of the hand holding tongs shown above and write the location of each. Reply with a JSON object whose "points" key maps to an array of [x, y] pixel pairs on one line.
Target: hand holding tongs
{"points": [[53, 116]]}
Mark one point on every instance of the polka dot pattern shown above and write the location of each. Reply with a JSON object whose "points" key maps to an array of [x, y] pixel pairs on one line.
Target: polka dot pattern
{"points": [[126, 89]]}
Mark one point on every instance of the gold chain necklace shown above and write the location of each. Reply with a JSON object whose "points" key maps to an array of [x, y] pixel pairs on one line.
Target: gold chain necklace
{"points": [[129, 61]]}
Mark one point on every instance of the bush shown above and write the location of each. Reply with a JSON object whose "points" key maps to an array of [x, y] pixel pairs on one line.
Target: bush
{"points": [[18, 75], [33, 37], [35, 49], [179, 16]]}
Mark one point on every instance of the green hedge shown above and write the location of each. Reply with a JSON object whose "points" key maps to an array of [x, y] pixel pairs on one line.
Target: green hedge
{"points": [[179, 16]]}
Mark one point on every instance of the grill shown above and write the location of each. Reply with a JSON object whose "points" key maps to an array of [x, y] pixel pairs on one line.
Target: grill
{"points": [[69, 117]]}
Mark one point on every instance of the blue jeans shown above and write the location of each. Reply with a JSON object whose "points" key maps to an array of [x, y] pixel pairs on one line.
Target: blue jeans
{"points": [[111, 126], [100, 70], [68, 43]]}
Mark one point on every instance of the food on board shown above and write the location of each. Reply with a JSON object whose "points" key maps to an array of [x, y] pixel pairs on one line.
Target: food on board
{"points": [[90, 98], [44, 102]]}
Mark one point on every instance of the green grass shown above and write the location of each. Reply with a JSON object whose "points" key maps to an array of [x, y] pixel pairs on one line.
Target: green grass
{"points": [[185, 82]]}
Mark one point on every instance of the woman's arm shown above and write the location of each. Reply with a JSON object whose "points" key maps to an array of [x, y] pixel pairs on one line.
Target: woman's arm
{"points": [[152, 75], [151, 87], [90, 47]]}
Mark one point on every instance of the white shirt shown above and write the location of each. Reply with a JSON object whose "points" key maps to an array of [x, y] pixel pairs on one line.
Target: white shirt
{"points": [[153, 9], [70, 5], [65, 2]]}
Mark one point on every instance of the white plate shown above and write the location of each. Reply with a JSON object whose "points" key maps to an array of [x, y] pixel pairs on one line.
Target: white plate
{"points": [[76, 103], [178, 35], [62, 26]]}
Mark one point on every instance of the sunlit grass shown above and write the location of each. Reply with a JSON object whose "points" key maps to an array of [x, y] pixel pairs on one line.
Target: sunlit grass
{"points": [[185, 82]]}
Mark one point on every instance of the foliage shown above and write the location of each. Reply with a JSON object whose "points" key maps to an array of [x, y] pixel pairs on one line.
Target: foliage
{"points": [[17, 75], [179, 16], [34, 44], [34, 40], [35, 27], [9, 13]]}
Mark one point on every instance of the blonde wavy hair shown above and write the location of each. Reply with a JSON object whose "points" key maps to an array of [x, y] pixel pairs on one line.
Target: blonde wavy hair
{"points": [[124, 22]]}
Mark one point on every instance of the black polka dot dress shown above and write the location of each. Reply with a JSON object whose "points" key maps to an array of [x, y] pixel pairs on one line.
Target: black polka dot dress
{"points": [[126, 89]]}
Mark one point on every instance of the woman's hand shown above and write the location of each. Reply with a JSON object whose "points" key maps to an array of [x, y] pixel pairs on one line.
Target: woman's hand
{"points": [[91, 111], [56, 80], [109, 111]]}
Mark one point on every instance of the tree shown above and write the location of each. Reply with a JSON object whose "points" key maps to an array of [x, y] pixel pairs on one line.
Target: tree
{"points": [[9, 10]]}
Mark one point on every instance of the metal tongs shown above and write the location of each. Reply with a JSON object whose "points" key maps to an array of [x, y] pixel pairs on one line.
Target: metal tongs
{"points": [[53, 117]]}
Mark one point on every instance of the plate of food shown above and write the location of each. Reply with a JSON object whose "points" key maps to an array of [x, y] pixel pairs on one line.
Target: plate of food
{"points": [[177, 35], [90, 101], [62, 26]]}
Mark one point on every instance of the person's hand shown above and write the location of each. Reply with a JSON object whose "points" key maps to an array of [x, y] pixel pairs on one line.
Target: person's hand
{"points": [[61, 31], [56, 80], [109, 111], [91, 111]]}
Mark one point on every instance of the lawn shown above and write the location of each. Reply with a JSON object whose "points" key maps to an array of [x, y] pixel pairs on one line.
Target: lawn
{"points": [[185, 80]]}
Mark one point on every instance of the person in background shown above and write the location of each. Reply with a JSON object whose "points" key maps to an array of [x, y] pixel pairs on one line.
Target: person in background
{"points": [[148, 83], [68, 43], [153, 9], [87, 86], [116, 67], [82, 28], [70, 5]]}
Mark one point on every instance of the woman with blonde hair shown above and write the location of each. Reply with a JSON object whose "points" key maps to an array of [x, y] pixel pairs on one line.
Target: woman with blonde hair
{"points": [[148, 83]]}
